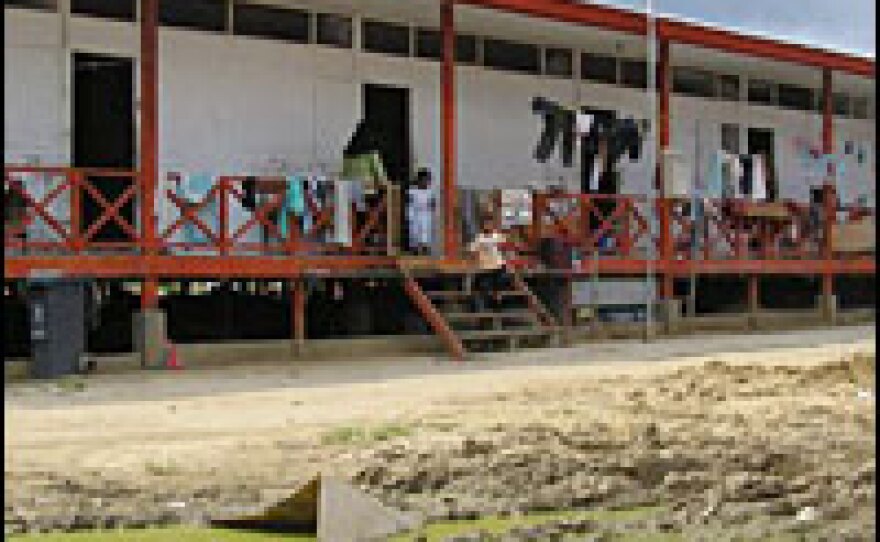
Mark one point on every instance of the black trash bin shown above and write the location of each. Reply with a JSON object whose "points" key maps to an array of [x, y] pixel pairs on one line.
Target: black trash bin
{"points": [[56, 310]]}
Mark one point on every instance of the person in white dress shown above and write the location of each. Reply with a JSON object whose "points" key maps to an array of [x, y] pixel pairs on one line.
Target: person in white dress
{"points": [[420, 213]]}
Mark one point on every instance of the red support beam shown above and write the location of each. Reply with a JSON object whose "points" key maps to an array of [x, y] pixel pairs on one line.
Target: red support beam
{"points": [[827, 112], [664, 137], [591, 14], [829, 195], [149, 137], [448, 129], [298, 314], [570, 12], [753, 46], [157, 267], [754, 301]]}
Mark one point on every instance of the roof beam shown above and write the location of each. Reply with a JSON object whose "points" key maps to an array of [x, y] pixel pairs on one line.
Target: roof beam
{"points": [[621, 20], [568, 12], [713, 38]]}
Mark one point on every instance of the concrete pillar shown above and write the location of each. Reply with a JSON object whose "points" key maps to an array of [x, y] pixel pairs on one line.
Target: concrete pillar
{"points": [[828, 307], [150, 337], [669, 316]]}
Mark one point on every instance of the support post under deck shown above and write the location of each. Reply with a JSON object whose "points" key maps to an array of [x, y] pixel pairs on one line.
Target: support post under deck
{"points": [[829, 196], [298, 315]]}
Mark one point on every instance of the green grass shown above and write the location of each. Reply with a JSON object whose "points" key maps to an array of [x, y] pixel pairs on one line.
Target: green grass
{"points": [[353, 435], [71, 383], [436, 532], [191, 534]]}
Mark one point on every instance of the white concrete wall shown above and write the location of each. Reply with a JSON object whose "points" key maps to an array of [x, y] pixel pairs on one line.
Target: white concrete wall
{"points": [[238, 105]]}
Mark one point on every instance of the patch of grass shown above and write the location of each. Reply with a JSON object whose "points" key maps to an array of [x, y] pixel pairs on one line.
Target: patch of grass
{"points": [[443, 427], [353, 435], [343, 435], [193, 534], [71, 384], [390, 431], [436, 532], [156, 468]]}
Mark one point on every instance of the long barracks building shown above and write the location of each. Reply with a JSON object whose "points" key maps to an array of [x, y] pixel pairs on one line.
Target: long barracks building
{"points": [[112, 105]]}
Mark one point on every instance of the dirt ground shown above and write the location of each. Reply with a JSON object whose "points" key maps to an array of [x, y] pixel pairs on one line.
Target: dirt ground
{"points": [[724, 428]]}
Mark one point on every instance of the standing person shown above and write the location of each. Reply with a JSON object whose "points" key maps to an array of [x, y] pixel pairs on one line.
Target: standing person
{"points": [[420, 213], [490, 260]]}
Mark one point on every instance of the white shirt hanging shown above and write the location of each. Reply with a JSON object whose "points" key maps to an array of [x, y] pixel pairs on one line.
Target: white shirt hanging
{"points": [[584, 123], [759, 178], [595, 174]]}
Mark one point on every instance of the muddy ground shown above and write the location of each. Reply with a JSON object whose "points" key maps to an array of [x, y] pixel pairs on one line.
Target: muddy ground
{"points": [[752, 436]]}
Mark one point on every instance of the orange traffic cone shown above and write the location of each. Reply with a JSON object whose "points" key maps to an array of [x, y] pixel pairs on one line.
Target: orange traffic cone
{"points": [[173, 362]]}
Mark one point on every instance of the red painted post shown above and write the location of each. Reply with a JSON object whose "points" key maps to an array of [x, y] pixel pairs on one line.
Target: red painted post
{"points": [[149, 139], [829, 196], [75, 178], [537, 221], [663, 131], [298, 314], [448, 129], [223, 193], [754, 300]]}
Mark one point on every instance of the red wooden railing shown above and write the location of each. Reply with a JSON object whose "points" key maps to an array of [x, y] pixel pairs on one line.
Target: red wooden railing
{"points": [[44, 216]]}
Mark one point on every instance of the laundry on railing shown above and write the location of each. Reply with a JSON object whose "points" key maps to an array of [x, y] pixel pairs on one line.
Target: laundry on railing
{"points": [[342, 212], [294, 202], [194, 188]]}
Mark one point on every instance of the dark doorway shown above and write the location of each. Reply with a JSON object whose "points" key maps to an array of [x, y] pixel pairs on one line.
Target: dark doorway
{"points": [[761, 141], [387, 114], [104, 132]]}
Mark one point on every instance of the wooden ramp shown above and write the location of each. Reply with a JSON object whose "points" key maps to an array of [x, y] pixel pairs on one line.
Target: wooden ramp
{"points": [[469, 321]]}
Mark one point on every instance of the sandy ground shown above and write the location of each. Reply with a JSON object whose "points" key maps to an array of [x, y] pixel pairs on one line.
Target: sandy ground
{"points": [[270, 426]]}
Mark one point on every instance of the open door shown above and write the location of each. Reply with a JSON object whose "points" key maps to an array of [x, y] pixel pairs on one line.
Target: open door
{"points": [[104, 133], [387, 115]]}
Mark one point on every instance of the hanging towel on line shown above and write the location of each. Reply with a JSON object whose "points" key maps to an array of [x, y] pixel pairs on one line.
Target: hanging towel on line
{"points": [[759, 179], [342, 212], [194, 188], [294, 202]]}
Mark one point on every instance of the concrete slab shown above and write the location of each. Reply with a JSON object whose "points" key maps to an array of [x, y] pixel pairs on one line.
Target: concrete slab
{"points": [[331, 508], [346, 514]]}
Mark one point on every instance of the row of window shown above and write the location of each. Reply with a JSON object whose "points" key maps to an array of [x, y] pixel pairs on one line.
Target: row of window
{"points": [[301, 26]]}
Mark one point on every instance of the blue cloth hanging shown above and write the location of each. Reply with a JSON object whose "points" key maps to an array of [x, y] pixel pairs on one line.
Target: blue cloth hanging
{"points": [[294, 202], [715, 186], [194, 188]]}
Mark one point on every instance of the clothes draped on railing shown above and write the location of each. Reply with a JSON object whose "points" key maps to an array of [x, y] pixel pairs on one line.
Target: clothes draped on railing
{"points": [[194, 188]]}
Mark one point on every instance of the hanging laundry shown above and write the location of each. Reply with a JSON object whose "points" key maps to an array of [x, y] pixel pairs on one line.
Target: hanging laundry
{"points": [[294, 202], [342, 212], [625, 140], [595, 175], [759, 178], [584, 123], [249, 187], [359, 196], [746, 180], [194, 188], [559, 123], [715, 183]]}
